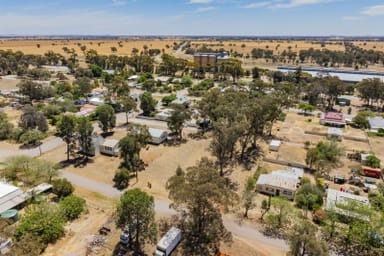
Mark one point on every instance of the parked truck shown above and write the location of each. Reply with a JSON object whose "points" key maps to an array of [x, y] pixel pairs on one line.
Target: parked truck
{"points": [[168, 242]]}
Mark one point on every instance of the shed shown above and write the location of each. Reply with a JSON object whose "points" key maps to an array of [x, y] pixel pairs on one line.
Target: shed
{"points": [[157, 136], [110, 147], [274, 145], [363, 158], [375, 123], [335, 134]]}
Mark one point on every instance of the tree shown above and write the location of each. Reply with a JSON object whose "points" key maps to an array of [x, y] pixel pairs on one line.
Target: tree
{"points": [[106, 116], [31, 119], [42, 220], [148, 103], [306, 107], [62, 188], [131, 145], [309, 197], [198, 196], [166, 100], [31, 137], [280, 214], [34, 91], [84, 136], [324, 156], [249, 195], [128, 104], [85, 86], [178, 117], [66, 129], [361, 121], [71, 207], [255, 73], [6, 127], [373, 161], [46, 169], [302, 241], [121, 179], [136, 212]]}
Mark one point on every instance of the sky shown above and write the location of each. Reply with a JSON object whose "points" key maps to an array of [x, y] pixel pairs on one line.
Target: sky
{"points": [[193, 17]]}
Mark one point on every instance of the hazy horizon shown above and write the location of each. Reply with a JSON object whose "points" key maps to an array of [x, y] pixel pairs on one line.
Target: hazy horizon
{"points": [[342, 18]]}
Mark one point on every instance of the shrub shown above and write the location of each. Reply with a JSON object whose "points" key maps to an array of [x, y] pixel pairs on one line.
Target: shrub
{"points": [[121, 178], [41, 220], [71, 207], [62, 188]]}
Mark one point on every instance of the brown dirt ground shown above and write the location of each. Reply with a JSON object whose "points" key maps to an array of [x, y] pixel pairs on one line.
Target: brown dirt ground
{"points": [[80, 231], [8, 84]]}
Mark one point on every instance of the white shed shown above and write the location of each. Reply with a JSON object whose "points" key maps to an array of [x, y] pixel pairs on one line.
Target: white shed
{"points": [[158, 136], [274, 145], [335, 134], [110, 147]]}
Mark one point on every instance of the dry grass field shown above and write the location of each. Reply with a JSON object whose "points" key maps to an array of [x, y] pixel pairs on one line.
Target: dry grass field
{"points": [[124, 47], [277, 46]]}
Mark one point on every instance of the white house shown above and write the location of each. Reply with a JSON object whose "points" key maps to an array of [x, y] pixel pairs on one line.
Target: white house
{"points": [[56, 69], [158, 136], [277, 185], [274, 145], [110, 147]]}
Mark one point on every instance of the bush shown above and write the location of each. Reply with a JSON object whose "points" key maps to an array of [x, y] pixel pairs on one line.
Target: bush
{"points": [[6, 127], [121, 178], [62, 188], [31, 137], [71, 207], [168, 99], [41, 220]]}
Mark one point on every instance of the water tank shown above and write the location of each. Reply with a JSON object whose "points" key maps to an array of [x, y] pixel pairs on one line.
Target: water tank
{"points": [[10, 214]]}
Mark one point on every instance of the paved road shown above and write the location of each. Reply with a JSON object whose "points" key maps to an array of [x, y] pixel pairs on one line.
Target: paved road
{"points": [[245, 230]]}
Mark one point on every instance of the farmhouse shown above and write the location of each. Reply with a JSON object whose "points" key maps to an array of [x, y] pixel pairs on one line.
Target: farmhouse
{"points": [[376, 123], [333, 119], [277, 185], [158, 136], [110, 147]]}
